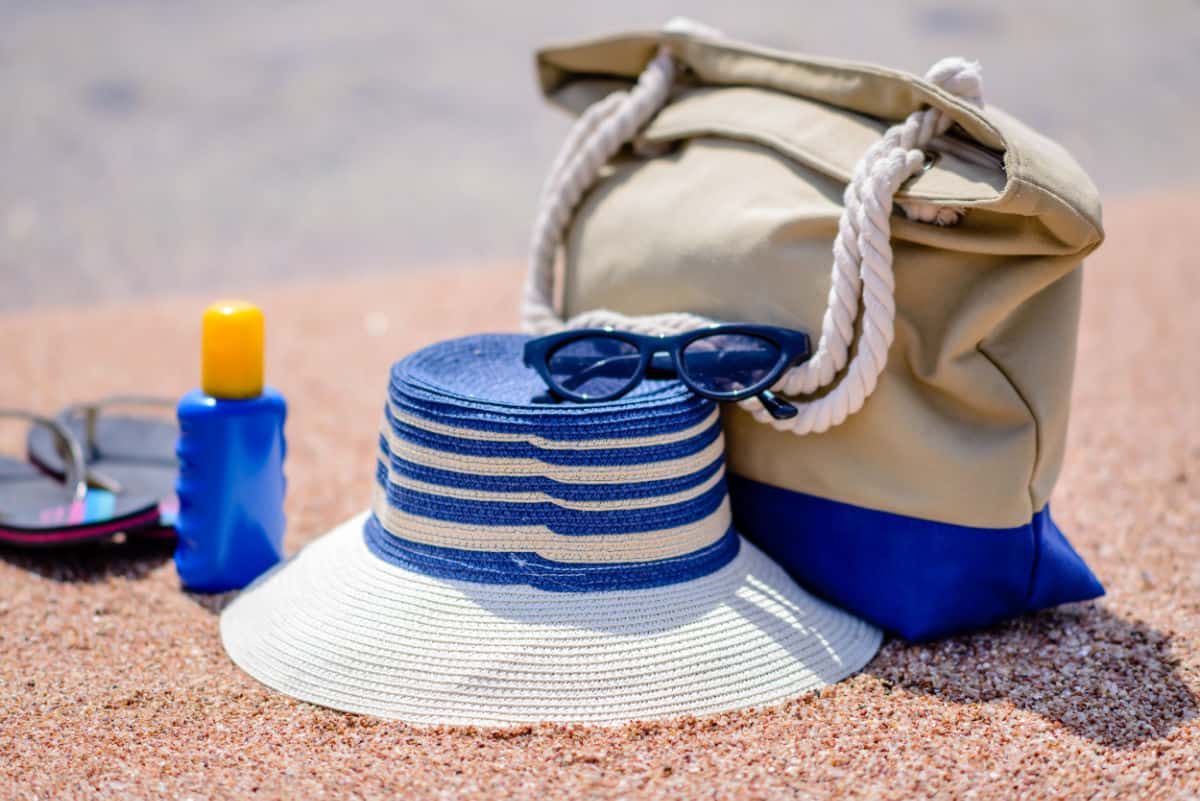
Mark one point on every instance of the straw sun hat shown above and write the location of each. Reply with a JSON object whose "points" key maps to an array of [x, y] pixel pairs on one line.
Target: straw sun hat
{"points": [[527, 562]]}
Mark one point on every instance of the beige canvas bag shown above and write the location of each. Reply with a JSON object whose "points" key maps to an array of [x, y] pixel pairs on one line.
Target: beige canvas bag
{"points": [[930, 243]]}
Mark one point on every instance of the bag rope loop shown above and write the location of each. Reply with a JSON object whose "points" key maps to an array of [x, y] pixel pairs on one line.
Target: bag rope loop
{"points": [[862, 252]]}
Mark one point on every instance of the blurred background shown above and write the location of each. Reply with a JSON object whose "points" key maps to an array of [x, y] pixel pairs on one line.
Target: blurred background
{"points": [[151, 147]]}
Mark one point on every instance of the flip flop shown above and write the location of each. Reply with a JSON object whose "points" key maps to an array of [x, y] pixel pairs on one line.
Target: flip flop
{"points": [[124, 454], [38, 511]]}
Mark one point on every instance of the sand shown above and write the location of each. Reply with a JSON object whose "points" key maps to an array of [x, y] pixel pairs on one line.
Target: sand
{"points": [[113, 683]]}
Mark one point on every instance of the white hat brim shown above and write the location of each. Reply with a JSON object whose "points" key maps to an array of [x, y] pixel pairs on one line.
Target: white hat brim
{"points": [[339, 627]]}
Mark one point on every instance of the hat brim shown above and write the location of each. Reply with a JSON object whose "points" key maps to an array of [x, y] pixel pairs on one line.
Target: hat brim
{"points": [[339, 627]]}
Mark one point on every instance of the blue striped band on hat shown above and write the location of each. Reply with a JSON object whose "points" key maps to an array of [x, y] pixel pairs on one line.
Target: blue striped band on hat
{"points": [[477, 482]]}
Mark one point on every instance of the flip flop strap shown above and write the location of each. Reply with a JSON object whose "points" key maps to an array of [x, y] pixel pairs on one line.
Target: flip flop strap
{"points": [[90, 412], [74, 474]]}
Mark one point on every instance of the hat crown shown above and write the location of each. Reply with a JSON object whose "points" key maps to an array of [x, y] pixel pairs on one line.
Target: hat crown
{"points": [[475, 481]]}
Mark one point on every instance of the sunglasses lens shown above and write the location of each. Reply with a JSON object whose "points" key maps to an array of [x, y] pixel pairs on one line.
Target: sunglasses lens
{"points": [[594, 367], [729, 363]]}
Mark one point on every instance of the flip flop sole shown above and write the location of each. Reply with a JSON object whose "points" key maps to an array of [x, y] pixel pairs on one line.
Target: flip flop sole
{"points": [[34, 511]]}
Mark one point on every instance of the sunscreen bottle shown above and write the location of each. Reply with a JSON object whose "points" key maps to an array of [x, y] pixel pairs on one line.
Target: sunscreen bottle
{"points": [[231, 449]]}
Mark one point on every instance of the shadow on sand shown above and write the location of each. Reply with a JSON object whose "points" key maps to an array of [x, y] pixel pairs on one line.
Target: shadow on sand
{"points": [[1110, 680], [130, 558], [133, 557]]}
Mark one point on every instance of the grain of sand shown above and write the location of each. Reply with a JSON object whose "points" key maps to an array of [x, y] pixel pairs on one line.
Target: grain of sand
{"points": [[113, 683]]}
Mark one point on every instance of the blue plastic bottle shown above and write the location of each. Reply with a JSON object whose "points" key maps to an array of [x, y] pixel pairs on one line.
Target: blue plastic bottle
{"points": [[231, 449]]}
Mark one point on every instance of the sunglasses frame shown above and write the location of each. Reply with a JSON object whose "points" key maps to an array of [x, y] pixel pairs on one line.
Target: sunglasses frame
{"points": [[794, 347]]}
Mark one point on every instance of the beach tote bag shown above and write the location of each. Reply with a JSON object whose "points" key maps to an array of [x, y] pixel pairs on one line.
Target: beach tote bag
{"points": [[931, 246]]}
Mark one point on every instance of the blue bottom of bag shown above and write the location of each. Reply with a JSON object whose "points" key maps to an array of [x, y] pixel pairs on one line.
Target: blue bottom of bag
{"points": [[916, 578]]}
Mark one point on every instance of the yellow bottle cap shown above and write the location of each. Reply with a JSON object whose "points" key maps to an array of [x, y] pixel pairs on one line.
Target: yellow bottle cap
{"points": [[231, 361]]}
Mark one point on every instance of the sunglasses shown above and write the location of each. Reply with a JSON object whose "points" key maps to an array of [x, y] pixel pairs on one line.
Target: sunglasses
{"points": [[722, 362]]}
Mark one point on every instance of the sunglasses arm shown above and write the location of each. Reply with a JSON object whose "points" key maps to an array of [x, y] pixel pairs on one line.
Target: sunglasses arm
{"points": [[776, 406]]}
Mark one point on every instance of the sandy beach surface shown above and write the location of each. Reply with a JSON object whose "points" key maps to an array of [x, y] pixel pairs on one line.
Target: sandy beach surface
{"points": [[113, 683]]}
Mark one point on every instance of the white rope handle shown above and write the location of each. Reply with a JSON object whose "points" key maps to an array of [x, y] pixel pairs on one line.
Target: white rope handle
{"points": [[862, 252]]}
